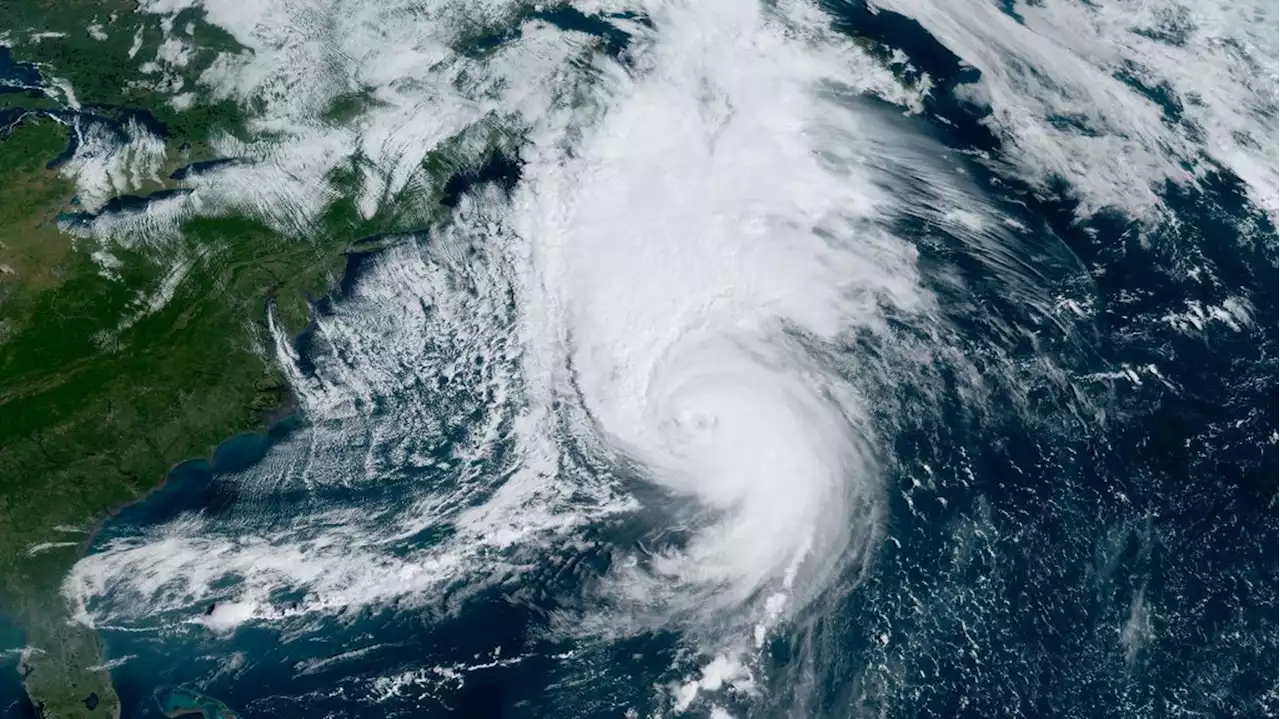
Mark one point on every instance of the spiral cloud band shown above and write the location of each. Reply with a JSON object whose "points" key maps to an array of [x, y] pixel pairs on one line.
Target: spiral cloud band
{"points": [[694, 259]]}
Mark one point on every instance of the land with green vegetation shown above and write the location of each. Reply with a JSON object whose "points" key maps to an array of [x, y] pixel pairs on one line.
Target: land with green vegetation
{"points": [[94, 416], [100, 395], [105, 69]]}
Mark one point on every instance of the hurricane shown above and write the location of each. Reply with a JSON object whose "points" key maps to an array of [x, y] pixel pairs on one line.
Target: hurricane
{"points": [[698, 264], [749, 372]]}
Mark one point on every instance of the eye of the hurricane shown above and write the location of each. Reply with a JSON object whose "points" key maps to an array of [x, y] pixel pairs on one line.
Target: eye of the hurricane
{"points": [[695, 422]]}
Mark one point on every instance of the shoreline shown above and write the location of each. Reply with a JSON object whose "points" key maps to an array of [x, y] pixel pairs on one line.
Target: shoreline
{"points": [[273, 425], [286, 413]]}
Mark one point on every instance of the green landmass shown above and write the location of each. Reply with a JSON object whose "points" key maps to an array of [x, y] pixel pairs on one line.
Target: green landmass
{"points": [[94, 417], [100, 393], [105, 74]]}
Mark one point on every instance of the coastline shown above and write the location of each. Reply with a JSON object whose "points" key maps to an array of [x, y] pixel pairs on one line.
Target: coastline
{"points": [[278, 422], [242, 449], [275, 425]]}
